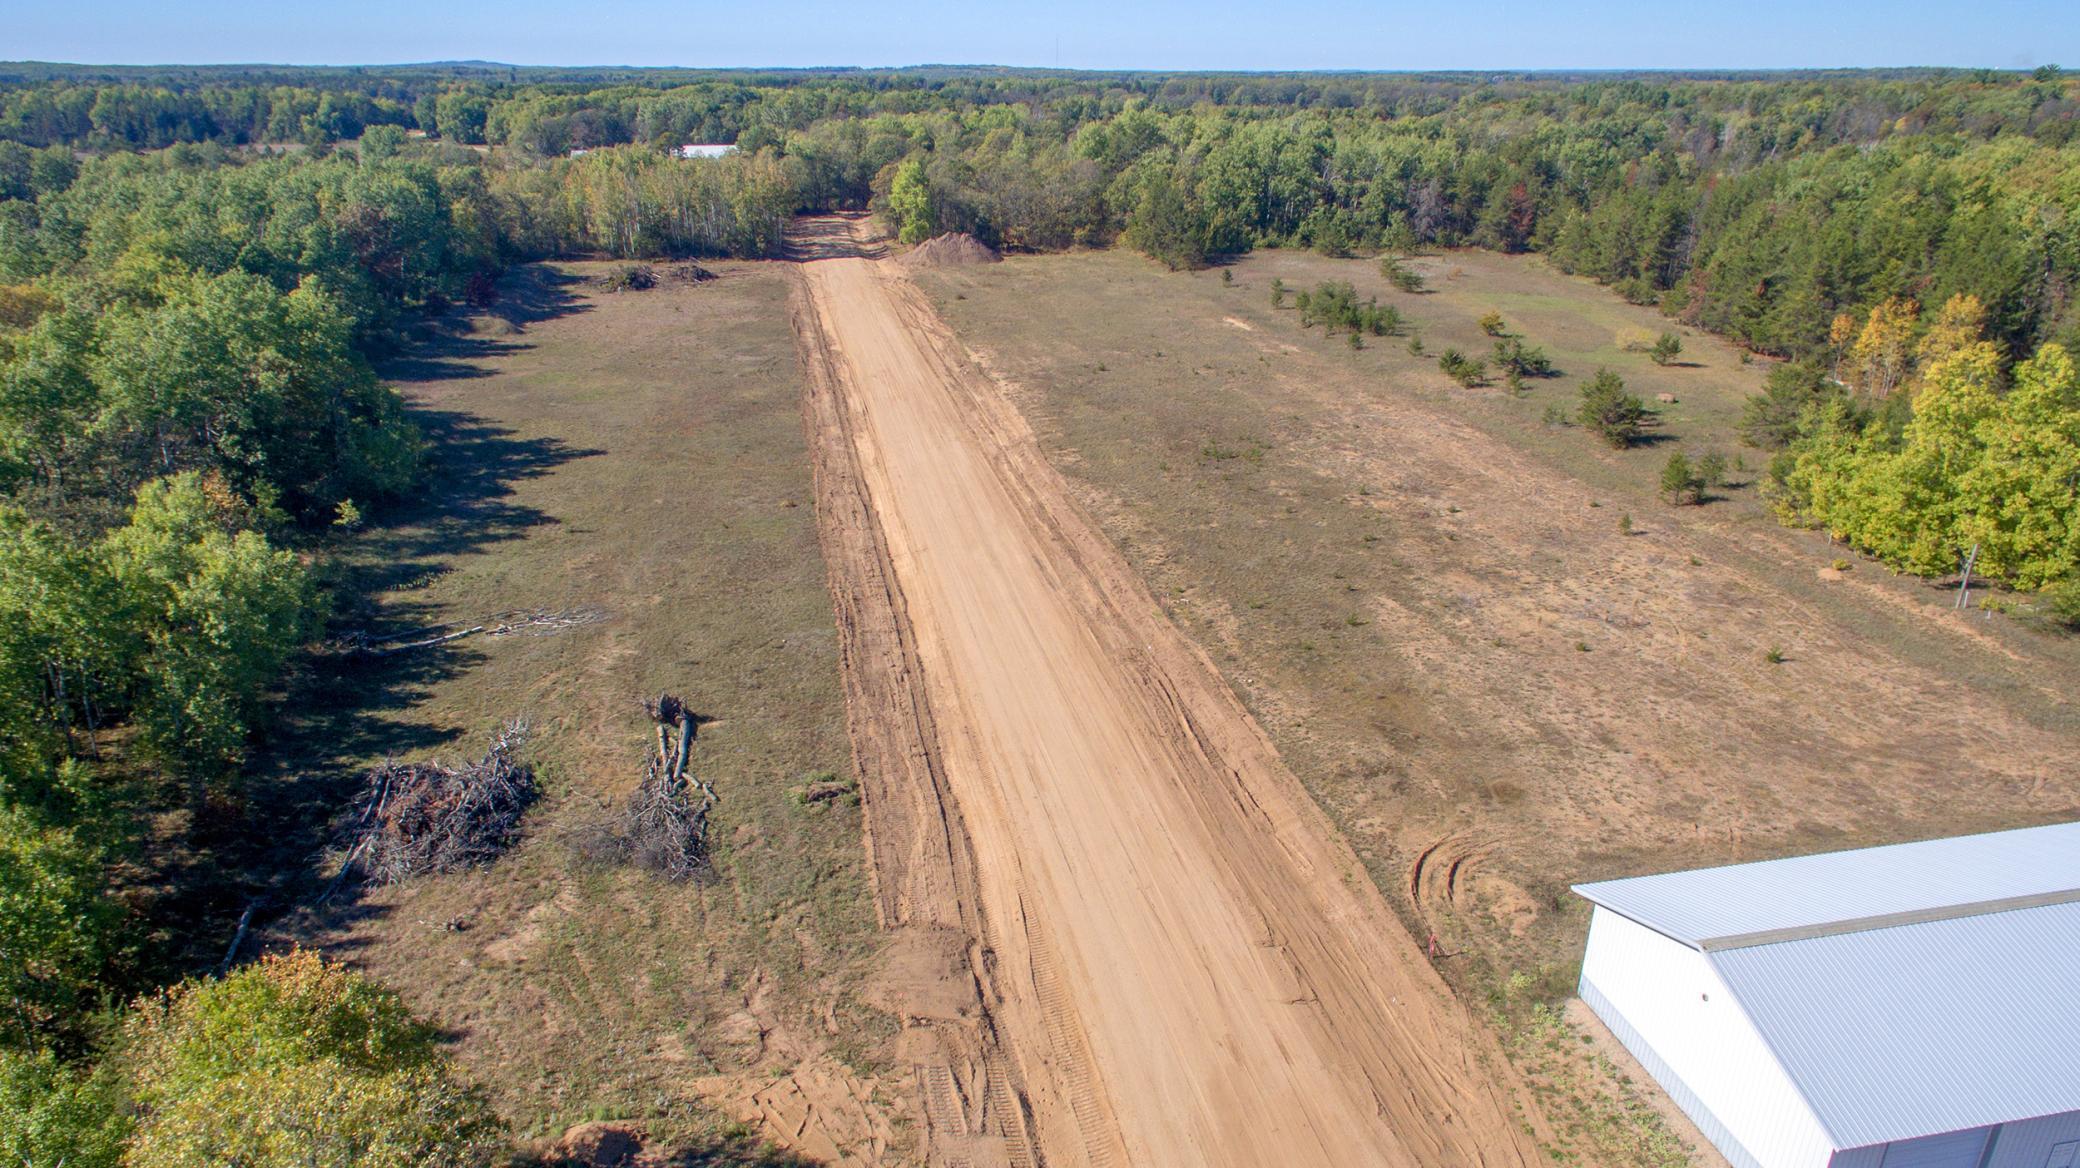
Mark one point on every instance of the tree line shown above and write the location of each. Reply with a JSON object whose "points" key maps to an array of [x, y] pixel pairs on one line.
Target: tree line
{"points": [[1760, 208], [187, 411], [1925, 447]]}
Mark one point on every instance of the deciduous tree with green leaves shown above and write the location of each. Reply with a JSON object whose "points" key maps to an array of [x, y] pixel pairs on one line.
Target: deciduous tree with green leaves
{"points": [[293, 1063], [1907, 506], [1976, 464], [68, 649], [2021, 498], [218, 609], [910, 200], [56, 928], [56, 1115]]}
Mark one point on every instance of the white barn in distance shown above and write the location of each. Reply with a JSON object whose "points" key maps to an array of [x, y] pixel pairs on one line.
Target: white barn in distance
{"points": [[1912, 1006]]}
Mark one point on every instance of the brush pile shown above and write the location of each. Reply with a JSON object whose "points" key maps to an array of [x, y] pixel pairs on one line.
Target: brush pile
{"points": [[423, 818], [630, 278], [664, 826], [666, 822]]}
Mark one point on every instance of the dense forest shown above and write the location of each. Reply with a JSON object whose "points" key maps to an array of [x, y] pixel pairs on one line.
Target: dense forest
{"points": [[199, 268]]}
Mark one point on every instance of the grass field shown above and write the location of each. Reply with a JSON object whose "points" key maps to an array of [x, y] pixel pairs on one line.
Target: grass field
{"points": [[1496, 658], [641, 454]]}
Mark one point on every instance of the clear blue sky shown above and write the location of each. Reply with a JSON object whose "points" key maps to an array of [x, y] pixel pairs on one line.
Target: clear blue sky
{"points": [[1168, 34]]}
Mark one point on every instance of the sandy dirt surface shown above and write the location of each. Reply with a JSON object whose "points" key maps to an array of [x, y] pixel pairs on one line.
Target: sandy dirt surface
{"points": [[1172, 957]]}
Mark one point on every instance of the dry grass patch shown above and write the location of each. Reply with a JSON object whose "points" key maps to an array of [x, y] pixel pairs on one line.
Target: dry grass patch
{"points": [[1423, 592]]}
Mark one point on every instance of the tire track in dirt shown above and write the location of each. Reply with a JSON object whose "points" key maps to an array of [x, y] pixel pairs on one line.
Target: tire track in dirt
{"points": [[1174, 959]]}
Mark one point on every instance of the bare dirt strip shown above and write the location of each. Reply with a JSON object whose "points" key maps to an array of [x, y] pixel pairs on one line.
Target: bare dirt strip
{"points": [[1125, 935]]}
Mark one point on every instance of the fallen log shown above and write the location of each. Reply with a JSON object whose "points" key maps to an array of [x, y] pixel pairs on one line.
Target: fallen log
{"points": [[244, 919], [428, 643], [538, 622]]}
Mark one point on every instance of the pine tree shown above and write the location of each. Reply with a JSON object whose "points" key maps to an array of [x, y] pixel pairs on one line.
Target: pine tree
{"points": [[1680, 484], [1611, 411]]}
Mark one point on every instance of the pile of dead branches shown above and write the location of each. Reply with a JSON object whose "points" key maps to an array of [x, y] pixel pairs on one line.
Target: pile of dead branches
{"points": [[630, 278], [537, 622], [422, 818], [664, 826], [666, 823]]}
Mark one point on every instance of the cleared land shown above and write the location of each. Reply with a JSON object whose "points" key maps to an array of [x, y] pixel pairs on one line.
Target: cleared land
{"points": [[639, 453], [1064, 538], [1423, 594], [1180, 956]]}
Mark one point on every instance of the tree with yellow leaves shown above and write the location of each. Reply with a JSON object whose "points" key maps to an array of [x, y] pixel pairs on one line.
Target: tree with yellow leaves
{"points": [[1913, 498], [1840, 335], [1883, 352], [1960, 324], [1974, 465]]}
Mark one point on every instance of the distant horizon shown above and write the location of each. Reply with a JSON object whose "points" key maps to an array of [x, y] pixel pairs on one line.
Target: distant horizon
{"points": [[920, 66], [1155, 36]]}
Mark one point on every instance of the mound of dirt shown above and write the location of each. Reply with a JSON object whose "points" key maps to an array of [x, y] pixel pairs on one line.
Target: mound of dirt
{"points": [[600, 1145], [951, 250]]}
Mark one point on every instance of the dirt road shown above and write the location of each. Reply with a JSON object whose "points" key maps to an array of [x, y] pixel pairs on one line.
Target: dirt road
{"points": [[1174, 959]]}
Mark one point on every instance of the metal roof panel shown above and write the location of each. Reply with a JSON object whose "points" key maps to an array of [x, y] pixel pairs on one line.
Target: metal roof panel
{"points": [[1907, 1031], [1866, 888]]}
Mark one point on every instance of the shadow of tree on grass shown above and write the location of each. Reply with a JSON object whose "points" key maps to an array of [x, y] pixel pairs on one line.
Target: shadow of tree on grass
{"points": [[340, 710], [455, 348]]}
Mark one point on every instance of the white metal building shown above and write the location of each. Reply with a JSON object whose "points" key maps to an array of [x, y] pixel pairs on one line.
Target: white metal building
{"points": [[1914, 1006]]}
